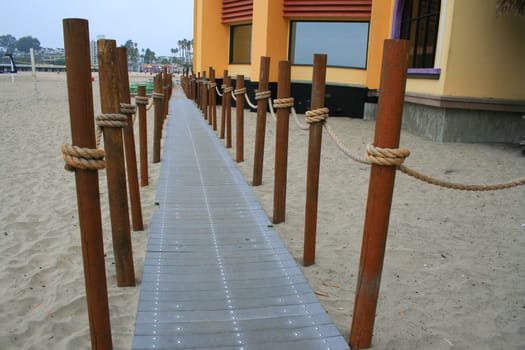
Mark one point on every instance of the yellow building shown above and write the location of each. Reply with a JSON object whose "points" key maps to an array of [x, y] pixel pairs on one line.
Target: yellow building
{"points": [[466, 80]]}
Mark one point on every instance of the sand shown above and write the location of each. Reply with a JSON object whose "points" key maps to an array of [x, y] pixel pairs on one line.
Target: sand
{"points": [[454, 273]]}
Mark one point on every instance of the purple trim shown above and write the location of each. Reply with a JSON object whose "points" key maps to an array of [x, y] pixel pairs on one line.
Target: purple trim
{"points": [[396, 23], [428, 71]]}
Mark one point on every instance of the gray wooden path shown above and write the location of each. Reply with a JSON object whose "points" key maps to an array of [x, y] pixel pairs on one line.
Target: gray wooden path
{"points": [[216, 274]]}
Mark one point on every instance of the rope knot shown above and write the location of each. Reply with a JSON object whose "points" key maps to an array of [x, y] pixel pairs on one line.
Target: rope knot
{"points": [[157, 95], [239, 91], [226, 89], [141, 100], [316, 115], [283, 102], [112, 120], [82, 158], [212, 85], [261, 95], [386, 156], [127, 108]]}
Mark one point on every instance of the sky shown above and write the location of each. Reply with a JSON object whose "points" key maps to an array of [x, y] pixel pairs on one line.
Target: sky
{"points": [[156, 25]]}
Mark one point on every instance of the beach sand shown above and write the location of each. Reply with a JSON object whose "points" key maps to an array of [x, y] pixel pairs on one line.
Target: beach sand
{"points": [[453, 276]]}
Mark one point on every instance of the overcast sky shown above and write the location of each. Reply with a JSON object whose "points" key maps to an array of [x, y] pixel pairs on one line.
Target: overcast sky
{"points": [[156, 25]]}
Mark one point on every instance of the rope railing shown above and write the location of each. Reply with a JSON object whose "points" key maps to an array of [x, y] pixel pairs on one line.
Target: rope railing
{"points": [[396, 157]]}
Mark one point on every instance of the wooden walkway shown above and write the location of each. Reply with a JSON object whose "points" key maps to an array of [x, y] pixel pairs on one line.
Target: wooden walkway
{"points": [[216, 274]]}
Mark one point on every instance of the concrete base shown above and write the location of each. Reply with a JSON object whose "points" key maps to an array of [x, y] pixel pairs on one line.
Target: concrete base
{"points": [[458, 125]]}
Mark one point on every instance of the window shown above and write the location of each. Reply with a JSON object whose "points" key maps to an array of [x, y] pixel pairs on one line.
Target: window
{"points": [[419, 24], [240, 44], [345, 43]]}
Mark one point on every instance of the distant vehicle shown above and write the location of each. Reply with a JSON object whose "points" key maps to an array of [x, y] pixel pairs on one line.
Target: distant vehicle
{"points": [[8, 67]]}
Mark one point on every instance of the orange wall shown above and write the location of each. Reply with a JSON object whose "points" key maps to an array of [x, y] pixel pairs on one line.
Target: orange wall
{"points": [[211, 37]]}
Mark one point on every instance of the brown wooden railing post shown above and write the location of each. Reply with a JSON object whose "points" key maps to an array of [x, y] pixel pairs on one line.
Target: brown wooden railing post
{"points": [[239, 120], [380, 190], [81, 114], [209, 94], [281, 145], [223, 106], [213, 100], [204, 96], [166, 91], [314, 161], [227, 98], [143, 137], [199, 91], [115, 168], [157, 123], [260, 127], [129, 143]]}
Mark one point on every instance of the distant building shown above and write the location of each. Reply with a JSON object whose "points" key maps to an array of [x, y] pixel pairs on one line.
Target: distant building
{"points": [[93, 50]]}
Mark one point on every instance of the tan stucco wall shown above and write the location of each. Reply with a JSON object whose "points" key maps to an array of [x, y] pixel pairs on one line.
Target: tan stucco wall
{"points": [[481, 54]]}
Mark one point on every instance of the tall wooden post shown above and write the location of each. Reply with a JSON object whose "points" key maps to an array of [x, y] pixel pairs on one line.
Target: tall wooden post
{"points": [[223, 106], [159, 117], [129, 143], [143, 137], [204, 89], [213, 100], [227, 98], [281, 145], [199, 91], [239, 119], [380, 190], [209, 93], [166, 91], [260, 127], [314, 161], [115, 169], [81, 114]]}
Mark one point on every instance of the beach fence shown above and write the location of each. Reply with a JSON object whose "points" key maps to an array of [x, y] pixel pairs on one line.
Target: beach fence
{"points": [[383, 155], [86, 158]]}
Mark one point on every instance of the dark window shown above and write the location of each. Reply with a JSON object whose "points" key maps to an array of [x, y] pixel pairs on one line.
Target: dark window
{"points": [[419, 25], [345, 43], [240, 44]]}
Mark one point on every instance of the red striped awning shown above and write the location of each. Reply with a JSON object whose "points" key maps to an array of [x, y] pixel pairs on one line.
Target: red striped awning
{"points": [[344, 9], [236, 10]]}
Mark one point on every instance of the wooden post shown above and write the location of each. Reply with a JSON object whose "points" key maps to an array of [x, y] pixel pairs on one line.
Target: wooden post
{"points": [[143, 138], [115, 169], [129, 143], [314, 161], [260, 127], [209, 94], [227, 97], [166, 92], [204, 95], [81, 114], [223, 106], [239, 120], [380, 190], [213, 100], [157, 123], [281, 145], [199, 91]]}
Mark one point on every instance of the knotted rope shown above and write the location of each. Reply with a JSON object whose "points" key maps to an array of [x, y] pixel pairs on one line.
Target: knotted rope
{"points": [[109, 120], [157, 95], [129, 110], [317, 115], [278, 103], [82, 158], [143, 100], [386, 156], [258, 96], [396, 157], [239, 91]]}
